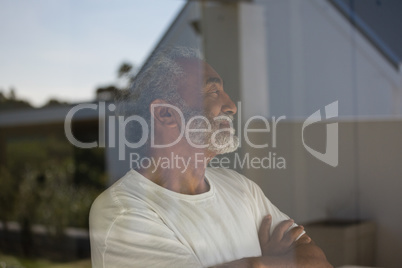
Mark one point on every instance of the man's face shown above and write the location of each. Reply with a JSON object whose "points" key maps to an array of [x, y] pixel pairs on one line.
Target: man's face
{"points": [[202, 90]]}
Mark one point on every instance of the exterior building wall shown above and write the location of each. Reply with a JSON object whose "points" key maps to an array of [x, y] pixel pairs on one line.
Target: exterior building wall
{"points": [[316, 57]]}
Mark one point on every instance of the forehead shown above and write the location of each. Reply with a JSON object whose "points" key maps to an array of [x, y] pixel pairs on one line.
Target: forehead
{"points": [[198, 71]]}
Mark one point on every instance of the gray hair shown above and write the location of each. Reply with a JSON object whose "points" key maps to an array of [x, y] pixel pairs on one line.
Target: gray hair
{"points": [[156, 80]]}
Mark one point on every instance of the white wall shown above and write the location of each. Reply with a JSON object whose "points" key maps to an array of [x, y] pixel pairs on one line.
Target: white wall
{"points": [[316, 57]]}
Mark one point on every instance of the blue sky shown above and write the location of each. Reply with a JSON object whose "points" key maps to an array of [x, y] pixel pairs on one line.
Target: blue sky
{"points": [[65, 49]]}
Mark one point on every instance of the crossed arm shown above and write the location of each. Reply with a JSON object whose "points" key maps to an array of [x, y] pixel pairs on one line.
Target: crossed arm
{"points": [[283, 249]]}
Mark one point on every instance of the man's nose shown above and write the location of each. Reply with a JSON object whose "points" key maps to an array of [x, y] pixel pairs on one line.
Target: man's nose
{"points": [[229, 107]]}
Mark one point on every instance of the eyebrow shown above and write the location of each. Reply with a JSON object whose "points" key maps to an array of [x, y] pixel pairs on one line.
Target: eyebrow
{"points": [[213, 80]]}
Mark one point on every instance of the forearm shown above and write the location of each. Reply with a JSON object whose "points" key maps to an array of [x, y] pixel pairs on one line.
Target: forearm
{"points": [[242, 263], [274, 262], [302, 255], [308, 255]]}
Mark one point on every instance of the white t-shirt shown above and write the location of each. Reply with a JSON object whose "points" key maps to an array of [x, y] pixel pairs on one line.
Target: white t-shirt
{"points": [[137, 223]]}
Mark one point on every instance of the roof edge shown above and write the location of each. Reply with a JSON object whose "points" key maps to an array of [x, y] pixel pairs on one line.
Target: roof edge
{"points": [[369, 34]]}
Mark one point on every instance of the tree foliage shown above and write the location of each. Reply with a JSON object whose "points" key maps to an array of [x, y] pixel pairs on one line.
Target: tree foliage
{"points": [[42, 188], [11, 102]]}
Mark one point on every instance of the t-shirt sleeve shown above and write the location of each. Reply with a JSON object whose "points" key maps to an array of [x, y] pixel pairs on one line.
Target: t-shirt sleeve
{"points": [[138, 238], [136, 241]]}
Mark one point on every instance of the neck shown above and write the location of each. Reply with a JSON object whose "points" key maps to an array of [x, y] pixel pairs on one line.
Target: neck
{"points": [[183, 173]]}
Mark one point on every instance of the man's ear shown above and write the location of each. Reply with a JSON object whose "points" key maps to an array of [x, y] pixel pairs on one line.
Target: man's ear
{"points": [[163, 113]]}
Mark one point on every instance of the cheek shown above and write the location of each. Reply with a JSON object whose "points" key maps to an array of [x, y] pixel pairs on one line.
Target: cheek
{"points": [[196, 101]]}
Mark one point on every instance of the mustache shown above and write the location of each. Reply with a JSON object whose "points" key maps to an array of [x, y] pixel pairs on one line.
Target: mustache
{"points": [[215, 121], [222, 118]]}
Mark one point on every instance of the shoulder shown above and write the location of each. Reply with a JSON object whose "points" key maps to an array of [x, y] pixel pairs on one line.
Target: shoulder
{"points": [[118, 201], [119, 212], [111, 198]]}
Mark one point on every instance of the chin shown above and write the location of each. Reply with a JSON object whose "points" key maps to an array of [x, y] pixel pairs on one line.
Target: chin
{"points": [[230, 148], [226, 151]]}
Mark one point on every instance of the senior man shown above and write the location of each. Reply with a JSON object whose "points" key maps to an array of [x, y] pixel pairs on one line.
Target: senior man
{"points": [[183, 214]]}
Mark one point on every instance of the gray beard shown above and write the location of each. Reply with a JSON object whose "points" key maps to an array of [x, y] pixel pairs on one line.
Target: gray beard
{"points": [[220, 141]]}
